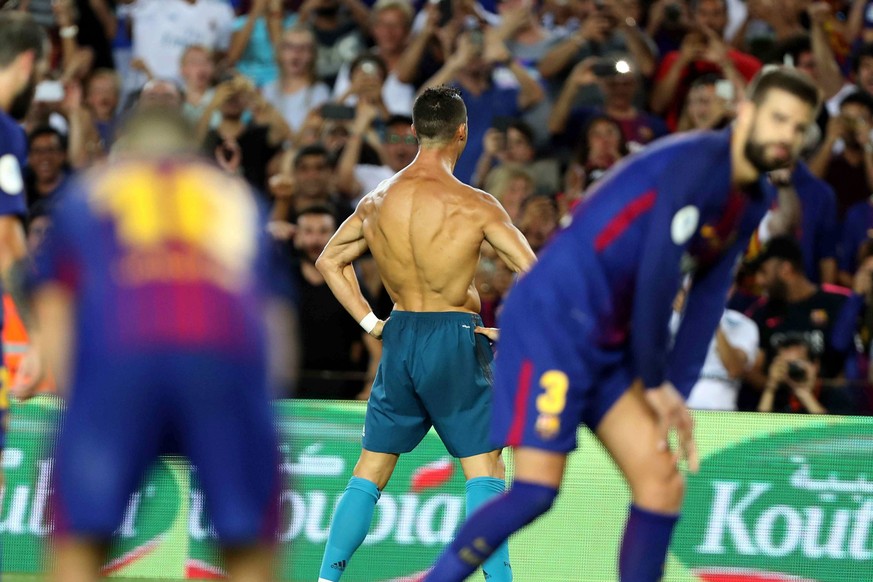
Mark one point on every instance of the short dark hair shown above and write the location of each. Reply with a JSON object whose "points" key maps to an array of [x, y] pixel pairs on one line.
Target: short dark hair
{"points": [[398, 120], [583, 147], [865, 50], [793, 339], [370, 57], [20, 33], [42, 130], [861, 98], [793, 46], [707, 79], [157, 130], [437, 113], [783, 79], [783, 248], [315, 149], [523, 128], [317, 210]]}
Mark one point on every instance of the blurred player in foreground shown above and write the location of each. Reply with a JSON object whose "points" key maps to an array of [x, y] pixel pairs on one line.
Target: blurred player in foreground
{"points": [[424, 228], [22, 51], [151, 297], [584, 336]]}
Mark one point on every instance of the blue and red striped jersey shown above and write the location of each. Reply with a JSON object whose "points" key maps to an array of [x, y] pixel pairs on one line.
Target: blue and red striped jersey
{"points": [[160, 253], [669, 212]]}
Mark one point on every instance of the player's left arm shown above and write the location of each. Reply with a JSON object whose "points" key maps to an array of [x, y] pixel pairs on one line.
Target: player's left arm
{"points": [[658, 278], [509, 243], [335, 264]]}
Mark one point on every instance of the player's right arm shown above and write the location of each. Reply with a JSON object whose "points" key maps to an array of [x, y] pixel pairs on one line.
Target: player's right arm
{"points": [[335, 264], [507, 240], [658, 279]]}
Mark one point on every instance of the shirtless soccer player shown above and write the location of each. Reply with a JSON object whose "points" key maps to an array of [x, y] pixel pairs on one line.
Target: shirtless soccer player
{"points": [[424, 228], [584, 336]]}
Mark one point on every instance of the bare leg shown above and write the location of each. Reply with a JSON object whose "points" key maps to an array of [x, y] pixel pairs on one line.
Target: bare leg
{"points": [[539, 466], [484, 465], [376, 467], [629, 431]]}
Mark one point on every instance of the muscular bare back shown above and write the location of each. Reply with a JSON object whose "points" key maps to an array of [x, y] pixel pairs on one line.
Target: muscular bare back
{"points": [[425, 228]]}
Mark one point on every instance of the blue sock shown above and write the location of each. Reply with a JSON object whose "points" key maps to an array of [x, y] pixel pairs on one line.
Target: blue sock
{"points": [[644, 547], [479, 491], [489, 527], [349, 527]]}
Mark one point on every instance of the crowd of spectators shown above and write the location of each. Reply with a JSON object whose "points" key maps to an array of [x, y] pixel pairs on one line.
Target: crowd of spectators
{"points": [[310, 101]]}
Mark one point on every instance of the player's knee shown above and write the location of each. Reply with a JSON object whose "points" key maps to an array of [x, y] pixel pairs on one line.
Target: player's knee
{"points": [[661, 493], [377, 468]]}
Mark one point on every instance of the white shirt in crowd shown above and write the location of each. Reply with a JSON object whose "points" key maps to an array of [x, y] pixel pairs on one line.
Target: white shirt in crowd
{"points": [[715, 389], [294, 107], [369, 176], [398, 97], [162, 29]]}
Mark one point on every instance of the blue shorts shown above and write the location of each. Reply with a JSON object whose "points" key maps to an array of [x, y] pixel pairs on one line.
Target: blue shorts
{"points": [[549, 374], [435, 371], [124, 410]]}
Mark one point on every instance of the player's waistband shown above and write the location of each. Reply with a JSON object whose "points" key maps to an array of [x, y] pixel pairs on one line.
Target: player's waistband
{"points": [[436, 316]]}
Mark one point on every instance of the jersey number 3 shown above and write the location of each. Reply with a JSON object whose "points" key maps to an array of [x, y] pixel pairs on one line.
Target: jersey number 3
{"points": [[554, 398]]}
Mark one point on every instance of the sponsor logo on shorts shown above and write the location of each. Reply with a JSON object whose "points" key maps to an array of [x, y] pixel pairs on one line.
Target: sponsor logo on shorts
{"points": [[547, 426]]}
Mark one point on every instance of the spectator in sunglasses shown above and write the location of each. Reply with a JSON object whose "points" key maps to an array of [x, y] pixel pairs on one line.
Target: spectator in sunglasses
{"points": [[397, 148]]}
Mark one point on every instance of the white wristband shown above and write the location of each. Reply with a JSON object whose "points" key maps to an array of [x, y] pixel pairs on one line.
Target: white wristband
{"points": [[369, 322]]}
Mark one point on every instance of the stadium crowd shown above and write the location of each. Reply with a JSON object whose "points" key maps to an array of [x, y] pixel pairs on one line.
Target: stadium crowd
{"points": [[311, 101]]}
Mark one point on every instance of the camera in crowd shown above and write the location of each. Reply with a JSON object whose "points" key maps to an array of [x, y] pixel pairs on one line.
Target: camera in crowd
{"points": [[796, 370], [610, 67]]}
